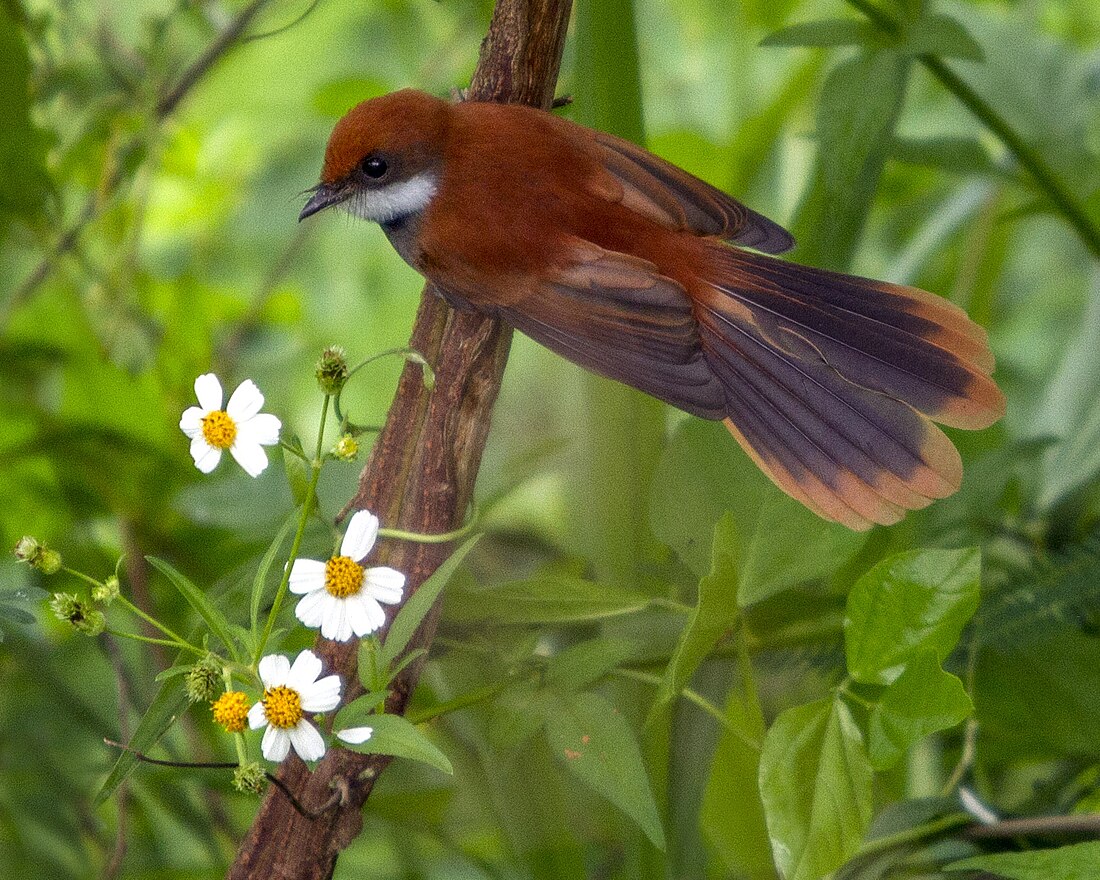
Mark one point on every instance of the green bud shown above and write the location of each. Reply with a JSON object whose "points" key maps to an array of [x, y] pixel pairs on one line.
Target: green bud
{"points": [[249, 778], [346, 448], [37, 555], [74, 610], [332, 369], [106, 592], [204, 681]]}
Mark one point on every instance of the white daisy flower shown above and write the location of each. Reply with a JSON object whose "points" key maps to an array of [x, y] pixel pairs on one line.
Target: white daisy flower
{"points": [[355, 735], [240, 427], [341, 597], [290, 692]]}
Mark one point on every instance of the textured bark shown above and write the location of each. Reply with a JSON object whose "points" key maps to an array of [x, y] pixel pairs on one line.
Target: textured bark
{"points": [[420, 477]]}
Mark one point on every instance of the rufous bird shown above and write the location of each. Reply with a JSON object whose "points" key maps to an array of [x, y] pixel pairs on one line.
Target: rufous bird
{"points": [[622, 263]]}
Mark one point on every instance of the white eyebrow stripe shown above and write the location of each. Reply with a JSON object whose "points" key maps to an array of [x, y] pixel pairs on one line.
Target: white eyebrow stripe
{"points": [[386, 203]]}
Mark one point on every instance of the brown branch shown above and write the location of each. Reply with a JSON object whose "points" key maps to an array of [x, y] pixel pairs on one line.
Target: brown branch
{"points": [[1037, 826], [420, 476]]}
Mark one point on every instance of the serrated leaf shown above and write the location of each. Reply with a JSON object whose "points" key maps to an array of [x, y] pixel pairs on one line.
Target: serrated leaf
{"points": [[597, 746], [944, 36], [907, 604], [548, 599], [923, 700], [822, 34], [584, 664], [396, 736], [260, 579], [791, 545], [815, 782], [1080, 861], [166, 707], [214, 618], [359, 711], [714, 614], [417, 606]]}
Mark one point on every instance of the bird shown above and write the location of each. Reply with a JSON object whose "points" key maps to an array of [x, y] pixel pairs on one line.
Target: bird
{"points": [[639, 271]]}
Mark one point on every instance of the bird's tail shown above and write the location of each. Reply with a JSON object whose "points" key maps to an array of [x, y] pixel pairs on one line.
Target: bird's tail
{"points": [[833, 383]]}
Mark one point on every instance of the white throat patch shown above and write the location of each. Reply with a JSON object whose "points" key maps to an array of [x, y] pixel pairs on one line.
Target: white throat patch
{"points": [[386, 203]]}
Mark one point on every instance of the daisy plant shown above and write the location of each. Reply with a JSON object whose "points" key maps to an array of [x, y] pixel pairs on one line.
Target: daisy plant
{"points": [[240, 427]]}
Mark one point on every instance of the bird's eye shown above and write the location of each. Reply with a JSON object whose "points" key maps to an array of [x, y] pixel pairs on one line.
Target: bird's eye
{"points": [[375, 167]]}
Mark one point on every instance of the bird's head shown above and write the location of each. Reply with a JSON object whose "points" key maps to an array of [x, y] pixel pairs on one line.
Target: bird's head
{"points": [[384, 158]]}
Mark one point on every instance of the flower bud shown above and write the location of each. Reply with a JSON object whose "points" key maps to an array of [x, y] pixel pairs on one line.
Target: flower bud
{"points": [[37, 555], [203, 682], [78, 613], [106, 592], [332, 369], [249, 778], [346, 448]]}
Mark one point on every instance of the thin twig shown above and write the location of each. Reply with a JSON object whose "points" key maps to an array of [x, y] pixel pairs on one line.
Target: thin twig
{"points": [[1037, 826]]}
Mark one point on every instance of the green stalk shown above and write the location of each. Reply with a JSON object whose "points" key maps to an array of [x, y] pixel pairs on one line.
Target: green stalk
{"points": [[1044, 176], [303, 521]]}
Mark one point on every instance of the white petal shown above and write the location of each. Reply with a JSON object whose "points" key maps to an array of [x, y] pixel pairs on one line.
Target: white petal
{"points": [[361, 534], [312, 607], [209, 392], [249, 455], [263, 429], [307, 575], [376, 617], [359, 617], [334, 621], [206, 456], [256, 716], [191, 420], [245, 402], [321, 696], [304, 672], [308, 743], [275, 744], [384, 584], [274, 669], [355, 735]]}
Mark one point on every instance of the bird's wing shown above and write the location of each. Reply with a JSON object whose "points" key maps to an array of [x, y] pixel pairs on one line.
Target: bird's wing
{"points": [[618, 316], [677, 200]]}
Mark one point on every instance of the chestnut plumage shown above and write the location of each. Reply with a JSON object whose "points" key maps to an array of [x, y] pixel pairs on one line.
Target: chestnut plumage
{"points": [[635, 269]]}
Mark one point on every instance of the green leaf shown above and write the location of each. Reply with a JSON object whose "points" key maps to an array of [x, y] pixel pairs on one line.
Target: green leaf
{"points": [[396, 736], [417, 606], [909, 603], [815, 782], [217, 621], [857, 114], [1080, 861], [944, 36], [167, 705], [24, 184], [584, 664], [824, 33], [715, 613], [732, 813], [259, 581], [791, 545], [598, 747], [360, 711], [958, 155], [921, 701], [298, 474], [548, 599]]}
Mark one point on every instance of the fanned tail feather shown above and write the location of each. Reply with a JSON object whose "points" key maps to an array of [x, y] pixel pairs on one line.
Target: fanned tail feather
{"points": [[833, 383]]}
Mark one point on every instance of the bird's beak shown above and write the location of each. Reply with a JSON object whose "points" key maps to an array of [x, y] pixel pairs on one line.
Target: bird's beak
{"points": [[325, 196]]}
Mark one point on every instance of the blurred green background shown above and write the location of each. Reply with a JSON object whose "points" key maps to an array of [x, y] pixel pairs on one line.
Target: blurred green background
{"points": [[187, 258]]}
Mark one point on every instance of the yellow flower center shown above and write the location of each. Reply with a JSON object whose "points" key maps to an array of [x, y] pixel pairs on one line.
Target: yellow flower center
{"points": [[231, 711], [219, 429], [343, 576], [282, 707]]}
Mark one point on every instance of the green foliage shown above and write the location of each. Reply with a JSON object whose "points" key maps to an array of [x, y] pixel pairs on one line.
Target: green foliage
{"points": [[655, 664]]}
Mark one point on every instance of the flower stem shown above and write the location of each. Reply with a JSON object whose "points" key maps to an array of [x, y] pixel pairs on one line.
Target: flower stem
{"points": [[462, 701], [912, 835], [151, 641], [409, 354], [176, 638], [303, 521], [439, 538]]}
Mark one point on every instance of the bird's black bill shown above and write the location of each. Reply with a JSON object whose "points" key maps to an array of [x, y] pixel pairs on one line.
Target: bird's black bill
{"points": [[325, 197]]}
